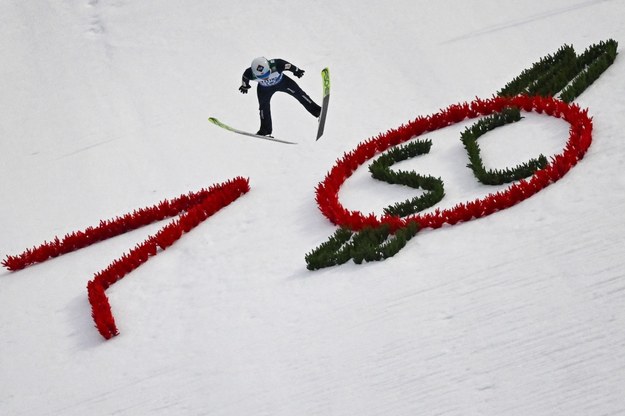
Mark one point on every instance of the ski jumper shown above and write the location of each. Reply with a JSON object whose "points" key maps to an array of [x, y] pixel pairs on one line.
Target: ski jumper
{"points": [[273, 81]]}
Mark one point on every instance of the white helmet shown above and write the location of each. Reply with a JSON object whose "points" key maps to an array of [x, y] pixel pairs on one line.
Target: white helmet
{"points": [[260, 67]]}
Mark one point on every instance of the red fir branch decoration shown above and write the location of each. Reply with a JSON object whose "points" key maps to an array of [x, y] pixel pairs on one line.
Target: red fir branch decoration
{"points": [[193, 208], [580, 138]]}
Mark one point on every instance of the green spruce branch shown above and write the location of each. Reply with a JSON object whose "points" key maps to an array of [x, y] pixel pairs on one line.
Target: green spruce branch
{"points": [[470, 137]]}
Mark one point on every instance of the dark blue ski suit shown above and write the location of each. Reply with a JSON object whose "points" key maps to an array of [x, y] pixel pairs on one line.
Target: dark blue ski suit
{"points": [[274, 82]]}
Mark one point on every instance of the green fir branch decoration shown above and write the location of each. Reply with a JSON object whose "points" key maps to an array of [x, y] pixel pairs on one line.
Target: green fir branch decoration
{"points": [[496, 177], [537, 74], [331, 253], [369, 244], [592, 63], [380, 169], [378, 243], [563, 72]]}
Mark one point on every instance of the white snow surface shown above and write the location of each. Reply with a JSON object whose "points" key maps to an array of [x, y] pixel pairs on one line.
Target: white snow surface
{"points": [[104, 109]]}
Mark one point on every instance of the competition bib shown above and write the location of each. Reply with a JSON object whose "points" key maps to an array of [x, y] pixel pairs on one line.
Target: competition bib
{"points": [[272, 79]]}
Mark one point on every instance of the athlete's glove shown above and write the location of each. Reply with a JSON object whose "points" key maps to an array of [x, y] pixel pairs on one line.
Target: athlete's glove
{"points": [[298, 72], [244, 88]]}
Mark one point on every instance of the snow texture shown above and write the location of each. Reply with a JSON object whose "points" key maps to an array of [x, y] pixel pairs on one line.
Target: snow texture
{"points": [[104, 109]]}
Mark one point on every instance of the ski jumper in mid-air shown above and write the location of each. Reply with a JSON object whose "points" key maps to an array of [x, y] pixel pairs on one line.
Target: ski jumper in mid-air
{"points": [[271, 78]]}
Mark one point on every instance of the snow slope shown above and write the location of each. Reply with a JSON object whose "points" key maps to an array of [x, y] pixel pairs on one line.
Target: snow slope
{"points": [[104, 107]]}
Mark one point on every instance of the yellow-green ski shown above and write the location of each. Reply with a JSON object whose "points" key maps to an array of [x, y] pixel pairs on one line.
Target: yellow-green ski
{"points": [[325, 76]]}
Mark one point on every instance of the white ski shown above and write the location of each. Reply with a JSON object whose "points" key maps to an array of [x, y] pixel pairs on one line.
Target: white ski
{"points": [[245, 133]]}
